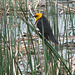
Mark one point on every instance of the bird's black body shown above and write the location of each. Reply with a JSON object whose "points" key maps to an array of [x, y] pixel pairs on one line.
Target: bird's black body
{"points": [[48, 34]]}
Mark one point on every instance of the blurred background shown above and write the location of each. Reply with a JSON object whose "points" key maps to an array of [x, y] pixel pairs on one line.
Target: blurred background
{"points": [[22, 49]]}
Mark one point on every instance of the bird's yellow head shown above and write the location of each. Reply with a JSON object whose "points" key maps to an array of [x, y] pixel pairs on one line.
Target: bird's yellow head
{"points": [[38, 16]]}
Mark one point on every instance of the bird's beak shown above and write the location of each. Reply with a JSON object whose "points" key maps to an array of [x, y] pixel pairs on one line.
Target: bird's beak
{"points": [[35, 16]]}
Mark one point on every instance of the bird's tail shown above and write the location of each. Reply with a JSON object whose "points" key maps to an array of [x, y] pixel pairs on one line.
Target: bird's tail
{"points": [[52, 38]]}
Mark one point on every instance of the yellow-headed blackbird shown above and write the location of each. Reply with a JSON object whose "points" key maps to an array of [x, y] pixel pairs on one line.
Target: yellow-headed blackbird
{"points": [[42, 20]]}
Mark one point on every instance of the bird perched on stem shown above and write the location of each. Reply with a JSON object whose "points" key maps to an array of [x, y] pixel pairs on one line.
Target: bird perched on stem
{"points": [[42, 20]]}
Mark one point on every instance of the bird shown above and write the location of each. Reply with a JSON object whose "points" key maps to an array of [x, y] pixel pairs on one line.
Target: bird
{"points": [[42, 20]]}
